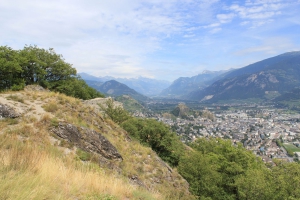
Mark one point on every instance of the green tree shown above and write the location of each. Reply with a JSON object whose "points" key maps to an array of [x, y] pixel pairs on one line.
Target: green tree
{"points": [[115, 113], [256, 184], [75, 87], [10, 69], [286, 180], [202, 173], [156, 135], [44, 65], [33, 65], [217, 158]]}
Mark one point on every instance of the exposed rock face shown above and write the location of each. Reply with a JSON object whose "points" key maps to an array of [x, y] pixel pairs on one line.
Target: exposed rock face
{"points": [[87, 140], [7, 112]]}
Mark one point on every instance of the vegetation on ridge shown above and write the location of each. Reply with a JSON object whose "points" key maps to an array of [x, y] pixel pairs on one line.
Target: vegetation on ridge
{"points": [[33, 65]]}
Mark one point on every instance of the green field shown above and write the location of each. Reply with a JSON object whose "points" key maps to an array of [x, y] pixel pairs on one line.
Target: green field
{"points": [[291, 147]]}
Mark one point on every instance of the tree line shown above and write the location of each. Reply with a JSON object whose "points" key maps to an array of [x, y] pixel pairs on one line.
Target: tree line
{"points": [[33, 65]]}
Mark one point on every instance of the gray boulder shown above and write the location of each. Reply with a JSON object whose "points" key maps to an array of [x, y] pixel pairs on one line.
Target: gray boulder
{"points": [[7, 112]]}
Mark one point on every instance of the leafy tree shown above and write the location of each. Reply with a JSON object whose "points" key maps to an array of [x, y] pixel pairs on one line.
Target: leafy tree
{"points": [[115, 113], [10, 69], [286, 180], [33, 65], [256, 184], [202, 173], [156, 135], [75, 87], [223, 162]]}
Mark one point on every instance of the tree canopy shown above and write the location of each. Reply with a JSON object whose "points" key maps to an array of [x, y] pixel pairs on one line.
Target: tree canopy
{"points": [[33, 65], [217, 169]]}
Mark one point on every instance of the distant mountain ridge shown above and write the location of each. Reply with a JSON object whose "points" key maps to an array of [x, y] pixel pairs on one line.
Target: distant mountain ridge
{"points": [[145, 86], [278, 74], [114, 88], [184, 85]]}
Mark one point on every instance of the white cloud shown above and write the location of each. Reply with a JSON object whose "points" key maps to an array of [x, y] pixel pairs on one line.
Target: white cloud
{"points": [[259, 12], [212, 25], [225, 18], [215, 30], [189, 36], [122, 38]]}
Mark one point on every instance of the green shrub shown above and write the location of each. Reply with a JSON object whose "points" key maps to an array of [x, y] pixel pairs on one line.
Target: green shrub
{"points": [[83, 155]]}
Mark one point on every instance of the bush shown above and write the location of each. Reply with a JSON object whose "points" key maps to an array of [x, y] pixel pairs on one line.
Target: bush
{"points": [[156, 135], [83, 155]]}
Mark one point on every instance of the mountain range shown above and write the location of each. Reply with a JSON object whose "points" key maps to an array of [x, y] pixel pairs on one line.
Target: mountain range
{"points": [[184, 85], [264, 80], [115, 88], [145, 86], [275, 76]]}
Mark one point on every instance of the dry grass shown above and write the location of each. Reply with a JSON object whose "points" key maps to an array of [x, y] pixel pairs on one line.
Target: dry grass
{"points": [[15, 98], [28, 171], [51, 106], [53, 175]]}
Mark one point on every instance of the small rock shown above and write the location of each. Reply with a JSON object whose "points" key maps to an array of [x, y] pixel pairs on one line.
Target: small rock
{"points": [[7, 112]]}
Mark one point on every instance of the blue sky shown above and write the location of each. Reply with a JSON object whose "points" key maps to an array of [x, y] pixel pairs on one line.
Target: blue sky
{"points": [[162, 39]]}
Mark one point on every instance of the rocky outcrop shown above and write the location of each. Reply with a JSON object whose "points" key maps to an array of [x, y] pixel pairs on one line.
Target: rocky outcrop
{"points": [[7, 112], [35, 88], [88, 140]]}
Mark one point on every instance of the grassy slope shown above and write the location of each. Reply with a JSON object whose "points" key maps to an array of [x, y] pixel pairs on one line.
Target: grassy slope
{"points": [[35, 165], [291, 147]]}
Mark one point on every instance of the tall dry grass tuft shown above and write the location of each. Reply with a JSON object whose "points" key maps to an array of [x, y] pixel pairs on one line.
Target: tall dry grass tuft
{"points": [[51, 106]]}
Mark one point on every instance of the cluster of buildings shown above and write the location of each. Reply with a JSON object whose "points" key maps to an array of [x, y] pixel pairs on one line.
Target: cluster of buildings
{"points": [[261, 130]]}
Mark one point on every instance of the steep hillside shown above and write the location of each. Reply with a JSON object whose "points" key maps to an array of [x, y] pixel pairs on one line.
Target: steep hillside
{"points": [[262, 80], [57, 147], [114, 88], [185, 85]]}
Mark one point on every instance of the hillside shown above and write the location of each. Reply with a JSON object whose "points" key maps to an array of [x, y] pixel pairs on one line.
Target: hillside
{"points": [[58, 147], [290, 99], [115, 88], [184, 85], [262, 80]]}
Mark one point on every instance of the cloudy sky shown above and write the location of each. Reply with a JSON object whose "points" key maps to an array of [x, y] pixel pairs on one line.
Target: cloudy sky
{"points": [[162, 39]]}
